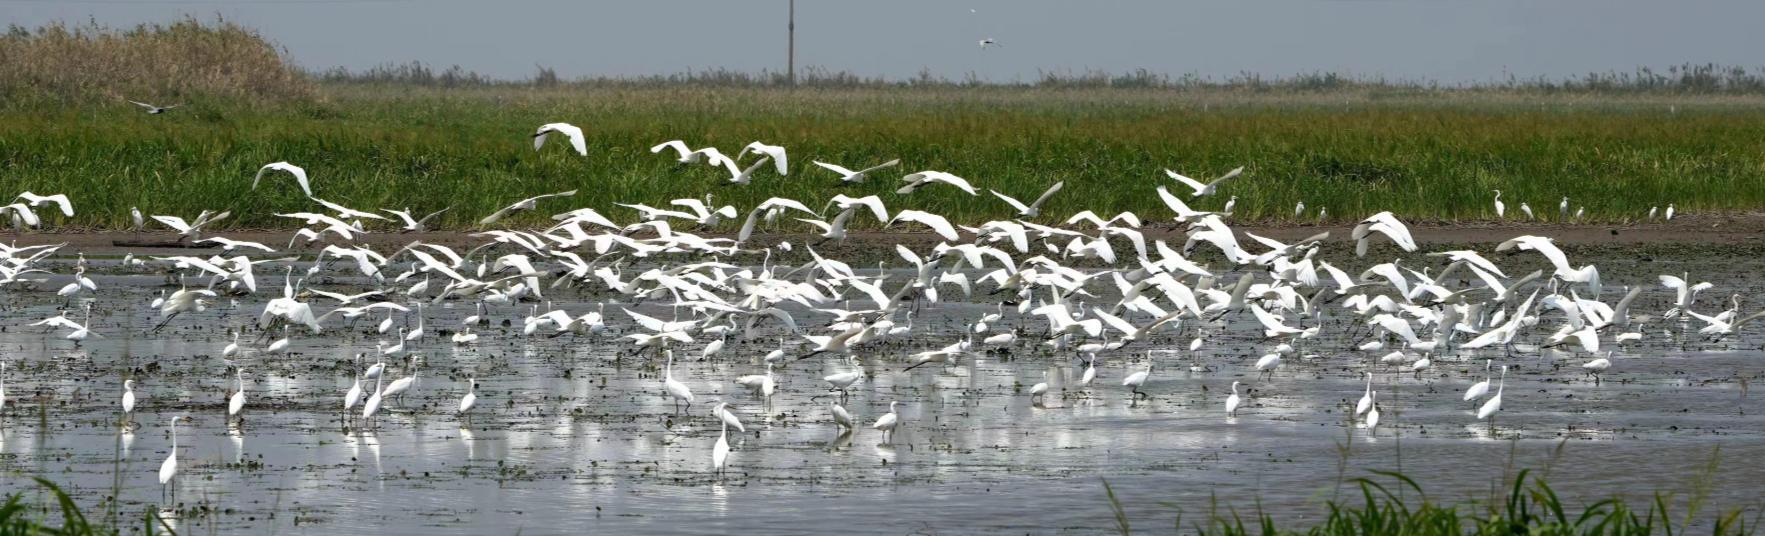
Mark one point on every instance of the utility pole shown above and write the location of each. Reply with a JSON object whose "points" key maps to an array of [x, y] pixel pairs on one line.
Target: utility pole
{"points": [[790, 61]]}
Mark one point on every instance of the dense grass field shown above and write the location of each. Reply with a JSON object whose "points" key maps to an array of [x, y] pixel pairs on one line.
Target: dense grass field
{"points": [[1617, 144], [1427, 156]]}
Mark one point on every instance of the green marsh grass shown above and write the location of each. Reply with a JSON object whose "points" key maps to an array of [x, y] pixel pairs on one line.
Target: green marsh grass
{"points": [[426, 149], [408, 136], [1390, 503], [18, 518]]}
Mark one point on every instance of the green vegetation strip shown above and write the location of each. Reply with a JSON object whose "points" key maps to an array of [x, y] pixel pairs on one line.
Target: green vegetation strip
{"points": [[471, 150], [404, 136]]}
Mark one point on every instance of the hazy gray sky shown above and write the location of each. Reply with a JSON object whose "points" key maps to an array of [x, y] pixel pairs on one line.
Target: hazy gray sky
{"points": [[1447, 40]]}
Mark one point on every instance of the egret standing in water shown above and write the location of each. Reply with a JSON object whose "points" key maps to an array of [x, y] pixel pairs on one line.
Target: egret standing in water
{"points": [[1373, 415], [1366, 402], [236, 403], [841, 418], [1138, 379], [1477, 390], [674, 388], [1037, 390], [169, 468], [886, 424], [128, 402], [1233, 401], [720, 452], [471, 399], [374, 400], [1598, 366]]}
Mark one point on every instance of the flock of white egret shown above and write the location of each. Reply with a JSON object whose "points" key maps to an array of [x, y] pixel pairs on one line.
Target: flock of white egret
{"points": [[1087, 288]]}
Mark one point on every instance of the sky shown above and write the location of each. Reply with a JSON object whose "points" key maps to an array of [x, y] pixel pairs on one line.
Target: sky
{"points": [[1451, 41]]}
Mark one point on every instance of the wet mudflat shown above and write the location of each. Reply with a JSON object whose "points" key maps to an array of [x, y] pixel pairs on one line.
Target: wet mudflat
{"points": [[571, 433]]}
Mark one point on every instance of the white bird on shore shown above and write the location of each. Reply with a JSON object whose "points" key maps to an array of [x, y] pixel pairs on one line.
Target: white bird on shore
{"points": [[921, 179], [935, 222], [742, 176], [775, 152], [154, 109], [572, 131], [848, 176], [1033, 209], [522, 205], [230, 245], [1202, 190], [1383, 223], [60, 200], [685, 155], [414, 225], [1527, 210], [1501, 210], [298, 173]]}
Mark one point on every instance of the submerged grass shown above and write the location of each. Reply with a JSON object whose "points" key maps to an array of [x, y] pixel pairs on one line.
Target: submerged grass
{"points": [[1395, 504], [428, 149]]}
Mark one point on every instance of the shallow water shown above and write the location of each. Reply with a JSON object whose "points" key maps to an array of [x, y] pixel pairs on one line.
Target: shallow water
{"points": [[569, 435]]}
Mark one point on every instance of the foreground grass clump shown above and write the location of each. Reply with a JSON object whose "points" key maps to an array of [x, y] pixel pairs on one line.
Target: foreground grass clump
{"points": [[1530, 507], [1434, 158], [16, 518]]}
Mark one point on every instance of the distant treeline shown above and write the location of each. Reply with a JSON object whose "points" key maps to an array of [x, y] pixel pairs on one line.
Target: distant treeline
{"points": [[193, 59], [1687, 79]]}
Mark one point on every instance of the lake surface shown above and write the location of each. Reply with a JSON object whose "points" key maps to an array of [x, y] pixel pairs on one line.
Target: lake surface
{"points": [[569, 435]]}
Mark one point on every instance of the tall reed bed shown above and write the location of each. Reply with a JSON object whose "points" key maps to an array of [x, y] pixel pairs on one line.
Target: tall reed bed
{"points": [[159, 63]]}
